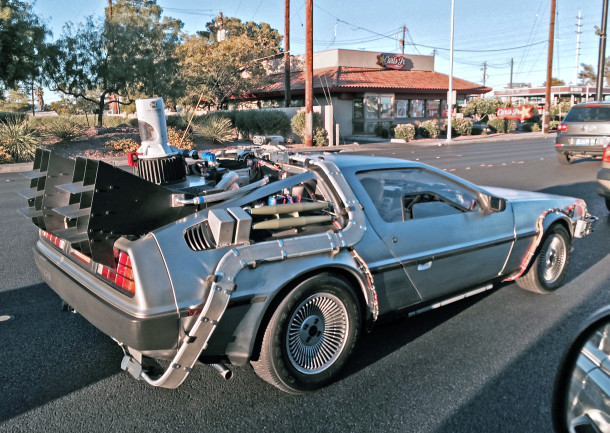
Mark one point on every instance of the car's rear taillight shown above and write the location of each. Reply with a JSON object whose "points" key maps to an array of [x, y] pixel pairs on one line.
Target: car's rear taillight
{"points": [[606, 157], [122, 275], [562, 127], [60, 243]]}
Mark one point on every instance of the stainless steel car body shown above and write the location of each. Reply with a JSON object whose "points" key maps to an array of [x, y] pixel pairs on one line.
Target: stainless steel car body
{"points": [[213, 303], [585, 131]]}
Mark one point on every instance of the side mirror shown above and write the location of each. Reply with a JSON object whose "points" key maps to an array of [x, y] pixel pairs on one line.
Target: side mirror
{"points": [[581, 398], [497, 204]]}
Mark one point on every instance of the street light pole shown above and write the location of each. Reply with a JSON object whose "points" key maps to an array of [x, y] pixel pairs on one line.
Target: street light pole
{"points": [[601, 62], [549, 70], [450, 101], [309, 74]]}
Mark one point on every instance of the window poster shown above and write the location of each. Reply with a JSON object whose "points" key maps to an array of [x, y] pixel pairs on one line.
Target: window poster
{"points": [[401, 109]]}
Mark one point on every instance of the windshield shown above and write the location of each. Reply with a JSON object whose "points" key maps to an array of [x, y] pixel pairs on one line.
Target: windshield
{"points": [[598, 113]]}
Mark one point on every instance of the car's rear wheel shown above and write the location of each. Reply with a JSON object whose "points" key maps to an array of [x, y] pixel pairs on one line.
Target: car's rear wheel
{"points": [[565, 158], [310, 335], [549, 267]]}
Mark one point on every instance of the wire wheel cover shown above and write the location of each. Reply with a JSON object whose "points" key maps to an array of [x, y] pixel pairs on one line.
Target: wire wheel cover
{"points": [[317, 333], [554, 259]]}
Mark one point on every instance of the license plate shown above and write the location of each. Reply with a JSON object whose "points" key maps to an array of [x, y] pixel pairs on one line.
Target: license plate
{"points": [[584, 141]]}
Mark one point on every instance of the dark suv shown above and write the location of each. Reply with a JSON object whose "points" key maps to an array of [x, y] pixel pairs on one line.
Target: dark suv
{"points": [[584, 132]]}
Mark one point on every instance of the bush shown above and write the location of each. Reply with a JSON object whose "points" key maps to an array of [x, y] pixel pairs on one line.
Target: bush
{"points": [[501, 125], [272, 122], [177, 121], [461, 126], [405, 132], [244, 122], [5, 158], [179, 139], [298, 124], [64, 128], [215, 128], [553, 125], [320, 137], [19, 117], [19, 140], [429, 129], [126, 145], [531, 127]]}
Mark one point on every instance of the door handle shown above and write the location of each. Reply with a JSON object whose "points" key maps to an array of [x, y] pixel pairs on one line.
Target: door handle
{"points": [[424, 266]]}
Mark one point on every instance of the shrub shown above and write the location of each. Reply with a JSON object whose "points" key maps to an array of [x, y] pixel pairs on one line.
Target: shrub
{"points": [[179, 139], [177, 121], [271, 122], [126, 145], [429, 129], [298, 124], [19, 140], [320, 137], [216, 128], [64, 128], [531, 127], [405, 131], [501, 125], [553, 125], [461, 126], [244, 122], [5, 158], [19, 117]]}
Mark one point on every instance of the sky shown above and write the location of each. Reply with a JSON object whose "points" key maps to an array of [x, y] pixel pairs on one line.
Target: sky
{"points": [[491, 33]]}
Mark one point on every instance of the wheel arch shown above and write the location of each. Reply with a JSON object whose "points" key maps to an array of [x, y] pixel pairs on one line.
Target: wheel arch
{"points": [[352, 277]]}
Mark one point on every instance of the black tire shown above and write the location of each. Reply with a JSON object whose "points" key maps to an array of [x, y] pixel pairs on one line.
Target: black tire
{"points": [[565, 158], [548, 269], [608, 203], [310, 335]]}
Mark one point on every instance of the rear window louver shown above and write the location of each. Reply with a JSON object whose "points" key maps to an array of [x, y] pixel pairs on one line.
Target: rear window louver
{"points": [[199, 237]]}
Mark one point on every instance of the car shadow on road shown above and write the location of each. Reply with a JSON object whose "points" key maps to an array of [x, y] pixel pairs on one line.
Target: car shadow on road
{"points": [[46, 353]]}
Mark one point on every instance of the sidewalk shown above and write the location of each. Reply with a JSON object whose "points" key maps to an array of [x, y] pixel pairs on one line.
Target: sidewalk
{"points": [[514, 136]]}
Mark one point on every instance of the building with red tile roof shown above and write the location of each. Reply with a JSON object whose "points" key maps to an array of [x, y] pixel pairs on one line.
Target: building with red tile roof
{"points": [[366, 88]]}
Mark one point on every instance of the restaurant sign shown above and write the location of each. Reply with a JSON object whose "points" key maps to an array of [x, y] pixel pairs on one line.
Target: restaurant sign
{"points": [[394, 61], [522, 113]]}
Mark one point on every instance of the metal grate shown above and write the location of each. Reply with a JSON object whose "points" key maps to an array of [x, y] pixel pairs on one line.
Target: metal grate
{"points": [[163, 170], [199, 237]]}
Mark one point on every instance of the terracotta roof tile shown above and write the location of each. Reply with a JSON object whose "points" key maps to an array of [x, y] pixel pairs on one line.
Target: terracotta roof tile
{"points": [[344, 78]]}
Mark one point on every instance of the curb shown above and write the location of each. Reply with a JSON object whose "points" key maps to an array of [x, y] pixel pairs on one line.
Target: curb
{"points": [[122, 161]]}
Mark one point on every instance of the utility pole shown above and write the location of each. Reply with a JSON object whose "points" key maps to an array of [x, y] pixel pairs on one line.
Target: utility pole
{"points": [[309, 73], [287, 54], [601, 63], [549, 70], [578, 32], [484, 69], [402, 41], [450, 100], [510, 85]]}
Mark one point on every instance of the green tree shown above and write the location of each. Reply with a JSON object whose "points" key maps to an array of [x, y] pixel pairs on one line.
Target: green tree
{"points": [[227, 69], [21, 43], [15, 101], [588, 74], [131, 54], [555, 82]]}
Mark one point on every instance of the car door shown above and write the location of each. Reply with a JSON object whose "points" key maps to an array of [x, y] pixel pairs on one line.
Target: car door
{"points": [[437, 229]]}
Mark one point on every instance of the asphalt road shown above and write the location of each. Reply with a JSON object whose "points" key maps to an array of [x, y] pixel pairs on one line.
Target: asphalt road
{"points": [[486, 364]]}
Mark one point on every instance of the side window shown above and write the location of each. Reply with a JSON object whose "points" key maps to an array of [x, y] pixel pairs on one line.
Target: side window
{"points": [[405, 194]]}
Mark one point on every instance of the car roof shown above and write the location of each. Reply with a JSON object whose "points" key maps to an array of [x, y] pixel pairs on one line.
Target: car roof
{"points": [[365, 162], [592, 103]]}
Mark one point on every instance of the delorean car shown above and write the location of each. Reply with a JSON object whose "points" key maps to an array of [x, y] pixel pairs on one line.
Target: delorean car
{"points": [[276, 259]]}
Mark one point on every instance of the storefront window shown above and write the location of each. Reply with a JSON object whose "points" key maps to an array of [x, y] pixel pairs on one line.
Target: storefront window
{"points": [[371, 106], [358, 109], [385, 107], [417, 108], [433, 107], [401, 109]]}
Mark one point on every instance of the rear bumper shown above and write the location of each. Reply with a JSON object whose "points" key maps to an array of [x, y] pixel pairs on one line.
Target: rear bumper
{"points": [[144, 333], [564, 144]]}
